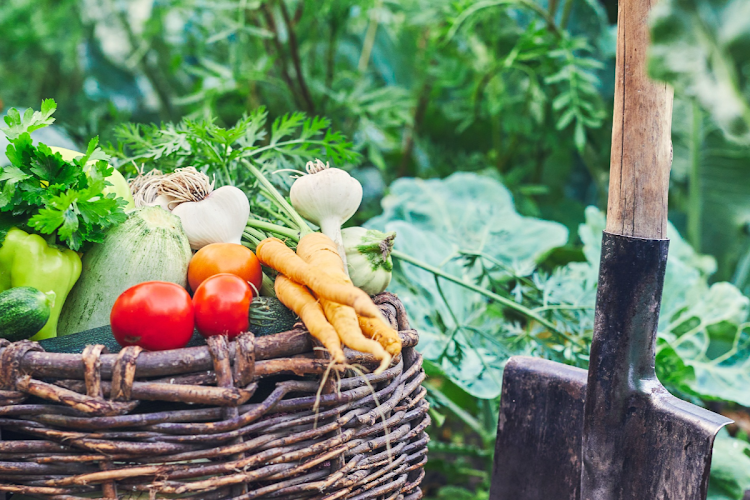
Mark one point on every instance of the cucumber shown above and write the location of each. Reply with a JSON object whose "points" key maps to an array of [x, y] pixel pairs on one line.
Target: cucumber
{"points": [[268, 316], [23, 312]]}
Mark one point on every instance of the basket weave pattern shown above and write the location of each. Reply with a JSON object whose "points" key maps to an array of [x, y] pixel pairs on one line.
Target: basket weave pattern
{"points": [[246, 419]]}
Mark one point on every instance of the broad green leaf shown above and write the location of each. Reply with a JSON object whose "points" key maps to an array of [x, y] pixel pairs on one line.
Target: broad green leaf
{"points": [[457, 333], [710, 336], [718, 211], [730, 468], [437, 220], [472, 214], [672, 371]]}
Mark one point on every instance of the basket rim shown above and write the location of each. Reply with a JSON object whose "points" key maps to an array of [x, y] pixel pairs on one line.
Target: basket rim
{"points": [[294, 342]]}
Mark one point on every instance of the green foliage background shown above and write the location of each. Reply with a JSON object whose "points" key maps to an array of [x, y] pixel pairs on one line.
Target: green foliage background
{"points": [[480, 130]]}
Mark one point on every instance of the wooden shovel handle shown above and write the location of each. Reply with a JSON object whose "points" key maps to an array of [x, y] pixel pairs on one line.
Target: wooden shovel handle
{"points": [[641, 134]]}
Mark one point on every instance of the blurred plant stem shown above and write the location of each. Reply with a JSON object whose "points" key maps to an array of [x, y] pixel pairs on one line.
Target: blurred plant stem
{"points": [[567, 8], [695, 199], [369, 41], [294, 51]]}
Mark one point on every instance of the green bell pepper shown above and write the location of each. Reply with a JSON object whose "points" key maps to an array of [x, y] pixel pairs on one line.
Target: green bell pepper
{"points": [[27, 260]]}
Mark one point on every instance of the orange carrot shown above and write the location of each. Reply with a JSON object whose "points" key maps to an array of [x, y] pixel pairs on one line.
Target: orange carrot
{"points": [[299, 299], [274, 253], [319, 251], [381, 332], [344, 320]]}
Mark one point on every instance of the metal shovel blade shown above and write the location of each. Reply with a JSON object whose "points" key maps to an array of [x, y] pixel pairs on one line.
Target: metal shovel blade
{"points": [[538, 447], [639, 441], [618, 435]]}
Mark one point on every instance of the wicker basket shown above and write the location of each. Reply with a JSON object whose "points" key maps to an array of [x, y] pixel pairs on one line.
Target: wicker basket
{"points": [[243, 419]]}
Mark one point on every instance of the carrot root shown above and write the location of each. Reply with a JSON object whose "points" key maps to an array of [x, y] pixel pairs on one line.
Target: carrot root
{"points": [[274, 253], [344, 320], [320, 251], [333, 306], [297, 298], [379, 331]]}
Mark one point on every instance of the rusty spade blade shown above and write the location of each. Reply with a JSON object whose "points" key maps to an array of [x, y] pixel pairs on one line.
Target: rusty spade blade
{"points": [[614, 432], [620, 435], [639, 441]]}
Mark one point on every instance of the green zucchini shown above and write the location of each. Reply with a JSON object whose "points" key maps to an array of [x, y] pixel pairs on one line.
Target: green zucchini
{"points": [[76, 342], [23, 312], [268, 316]]}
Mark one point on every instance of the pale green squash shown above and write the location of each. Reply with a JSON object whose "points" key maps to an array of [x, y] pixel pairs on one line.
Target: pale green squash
{"points": [[149, 246]]}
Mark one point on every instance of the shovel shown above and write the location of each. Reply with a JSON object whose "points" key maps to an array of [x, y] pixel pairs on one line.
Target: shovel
{"points": [[613, 433]]}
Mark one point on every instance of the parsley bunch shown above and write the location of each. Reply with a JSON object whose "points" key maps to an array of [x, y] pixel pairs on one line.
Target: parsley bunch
{"points": [[40, 191]]}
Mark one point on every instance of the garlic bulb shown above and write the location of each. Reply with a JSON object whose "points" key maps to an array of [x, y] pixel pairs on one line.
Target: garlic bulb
{"points": [[327, 197], [220, 217], [207, 216], [145, 188], [163, 200]]}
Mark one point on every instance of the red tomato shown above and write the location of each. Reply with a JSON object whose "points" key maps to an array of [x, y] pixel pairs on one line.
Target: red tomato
{"points": [[221, 304], [155, 315]]}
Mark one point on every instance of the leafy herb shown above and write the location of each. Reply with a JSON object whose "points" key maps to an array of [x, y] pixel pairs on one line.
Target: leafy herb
{"points": [[30, 121], [41, 191], [291, 141]]}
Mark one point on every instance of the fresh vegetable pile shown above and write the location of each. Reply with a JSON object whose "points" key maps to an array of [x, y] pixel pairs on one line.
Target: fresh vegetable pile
{"points": [[169, 253]]}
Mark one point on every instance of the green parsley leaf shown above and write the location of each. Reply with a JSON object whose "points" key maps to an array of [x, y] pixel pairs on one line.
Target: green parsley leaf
{"points": [[42, 192], [61, 211], [30, 121], [51, 168], [13, 174], [93, 153]]}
